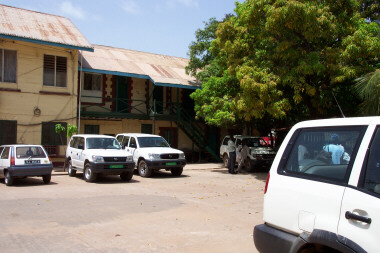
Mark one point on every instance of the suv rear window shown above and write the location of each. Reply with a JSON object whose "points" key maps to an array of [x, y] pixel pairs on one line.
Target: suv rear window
{"points": [[27, 152], [324, 153]]}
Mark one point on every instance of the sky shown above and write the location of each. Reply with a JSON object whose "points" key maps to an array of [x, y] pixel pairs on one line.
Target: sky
{"points": [[164, 27]]}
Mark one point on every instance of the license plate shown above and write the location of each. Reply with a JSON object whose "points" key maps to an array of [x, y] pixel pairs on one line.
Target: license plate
{"points": [[171, 164], [32, 161], [116, 166]]}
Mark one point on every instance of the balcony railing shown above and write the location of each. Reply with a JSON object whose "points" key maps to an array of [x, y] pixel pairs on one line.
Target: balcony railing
{"points": [[127, 108]]}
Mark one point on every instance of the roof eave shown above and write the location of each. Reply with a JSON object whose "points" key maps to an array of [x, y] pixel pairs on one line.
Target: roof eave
{"points": [[48, 43], [138, 76]]}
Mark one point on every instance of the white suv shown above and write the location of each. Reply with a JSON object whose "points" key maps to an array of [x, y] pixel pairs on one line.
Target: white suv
{"points": [[152, 153], [323, 190], [260, 153], [98, 154]]}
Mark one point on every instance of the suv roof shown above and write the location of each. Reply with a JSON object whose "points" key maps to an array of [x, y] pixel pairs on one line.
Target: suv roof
{"points": [[92, 135], [141, 135], [338, 122]]}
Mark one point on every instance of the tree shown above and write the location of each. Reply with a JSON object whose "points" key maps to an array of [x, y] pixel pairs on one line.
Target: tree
{"points": [[368, 88], [284, 59], [71, 129]]}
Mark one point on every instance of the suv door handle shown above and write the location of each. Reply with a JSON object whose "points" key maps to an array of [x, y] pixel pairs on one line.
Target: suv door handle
{"points": [[352, 216]]}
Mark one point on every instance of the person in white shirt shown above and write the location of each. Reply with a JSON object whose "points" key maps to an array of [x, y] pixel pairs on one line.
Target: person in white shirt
{"points": [[231, 148]]}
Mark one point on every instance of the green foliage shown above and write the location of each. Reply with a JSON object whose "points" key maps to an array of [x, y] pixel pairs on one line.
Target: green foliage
{"points": [[368, 88], [71, 129], [284, 58]]}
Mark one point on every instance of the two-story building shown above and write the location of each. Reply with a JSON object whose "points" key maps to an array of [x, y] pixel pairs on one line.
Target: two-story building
{"points": [[51, 74], [38, 76]]}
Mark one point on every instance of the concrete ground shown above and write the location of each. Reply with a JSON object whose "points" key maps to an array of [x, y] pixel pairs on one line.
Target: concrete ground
{"points": [[204, 210]]}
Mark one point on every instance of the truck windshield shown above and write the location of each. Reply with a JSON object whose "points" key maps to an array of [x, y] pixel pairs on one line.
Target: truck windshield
{"points": [[102, 143], [148, 142]]}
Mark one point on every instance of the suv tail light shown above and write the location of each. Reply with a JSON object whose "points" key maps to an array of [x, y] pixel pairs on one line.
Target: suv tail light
{"points": [[266, 184]]}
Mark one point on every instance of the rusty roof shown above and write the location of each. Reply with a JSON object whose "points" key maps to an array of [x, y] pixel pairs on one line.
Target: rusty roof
{"points": [[37, 27], [162, 70]]}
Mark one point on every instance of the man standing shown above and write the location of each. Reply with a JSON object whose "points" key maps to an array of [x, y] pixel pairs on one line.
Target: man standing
{"points": [[231, 148]]}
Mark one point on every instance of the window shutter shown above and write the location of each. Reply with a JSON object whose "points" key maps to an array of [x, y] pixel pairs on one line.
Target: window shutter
{"points": [[49, 66], [61, 71]]}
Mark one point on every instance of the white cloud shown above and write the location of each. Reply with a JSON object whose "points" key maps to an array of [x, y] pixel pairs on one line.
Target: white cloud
{"points": [[67, 8], [130, 7]]}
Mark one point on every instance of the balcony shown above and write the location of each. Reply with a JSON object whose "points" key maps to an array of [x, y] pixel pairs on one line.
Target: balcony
{"points": [[101, 107]]}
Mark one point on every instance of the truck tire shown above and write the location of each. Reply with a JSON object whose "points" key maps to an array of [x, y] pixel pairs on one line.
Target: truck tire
{"points": [[176, 171], [225, 161], [126, 176], [144, 170]]}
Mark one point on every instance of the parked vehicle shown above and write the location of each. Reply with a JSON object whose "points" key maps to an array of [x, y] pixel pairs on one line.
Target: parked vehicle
{"points": [[152, 153], [323, 190], [260, 152], [98, 154], [20, 161]]}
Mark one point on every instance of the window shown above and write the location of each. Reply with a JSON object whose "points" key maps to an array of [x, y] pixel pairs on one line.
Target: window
{"points": [[5, 154], [132, 143], [225, 141], [92, 82], [91, 129], [8, 132], [8, 63], [322, 153], [55, 71], [372, 167], [146, 128], [50, 137]]}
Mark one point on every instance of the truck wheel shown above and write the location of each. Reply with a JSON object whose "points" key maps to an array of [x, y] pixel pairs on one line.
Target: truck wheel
{"points": [[70, 170], [8, 179], [89, 175], [143, 169], [252, 166], [46, 178], [126, 176], [176, 171], [225, 161]]}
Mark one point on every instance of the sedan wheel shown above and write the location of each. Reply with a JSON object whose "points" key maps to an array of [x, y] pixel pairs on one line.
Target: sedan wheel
{"points": [[8, 179]]}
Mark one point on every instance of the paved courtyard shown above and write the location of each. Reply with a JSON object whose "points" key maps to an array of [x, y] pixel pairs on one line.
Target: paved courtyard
{"points": [[204, 210]]}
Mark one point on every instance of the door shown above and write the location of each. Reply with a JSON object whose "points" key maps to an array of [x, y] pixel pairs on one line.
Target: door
{"points": [[122, 90], [360, 213], [158, 96], [170, 135], [132, 146]]}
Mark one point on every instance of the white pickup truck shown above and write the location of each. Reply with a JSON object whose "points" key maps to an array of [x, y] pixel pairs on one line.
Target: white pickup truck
{"points": [[152, 153]]}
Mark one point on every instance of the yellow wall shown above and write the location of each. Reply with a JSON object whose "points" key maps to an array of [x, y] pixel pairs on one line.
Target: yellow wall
{"points": [[134, 126], [20, 106]]}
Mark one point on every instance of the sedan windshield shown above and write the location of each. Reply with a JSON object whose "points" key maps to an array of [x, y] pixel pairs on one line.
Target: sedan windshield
{"points": [[148, 142], [102, 143]]}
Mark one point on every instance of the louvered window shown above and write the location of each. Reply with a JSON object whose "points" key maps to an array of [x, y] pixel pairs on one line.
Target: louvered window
{"points": [[55, 70], [8, 66]]}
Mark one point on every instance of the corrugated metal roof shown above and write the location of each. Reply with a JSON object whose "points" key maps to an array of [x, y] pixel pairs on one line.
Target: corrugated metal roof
{"points": [[161, 69], [40, 27]]}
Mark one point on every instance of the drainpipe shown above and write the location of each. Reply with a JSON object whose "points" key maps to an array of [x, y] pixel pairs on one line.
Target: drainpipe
{"points": [[80, 91]]}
